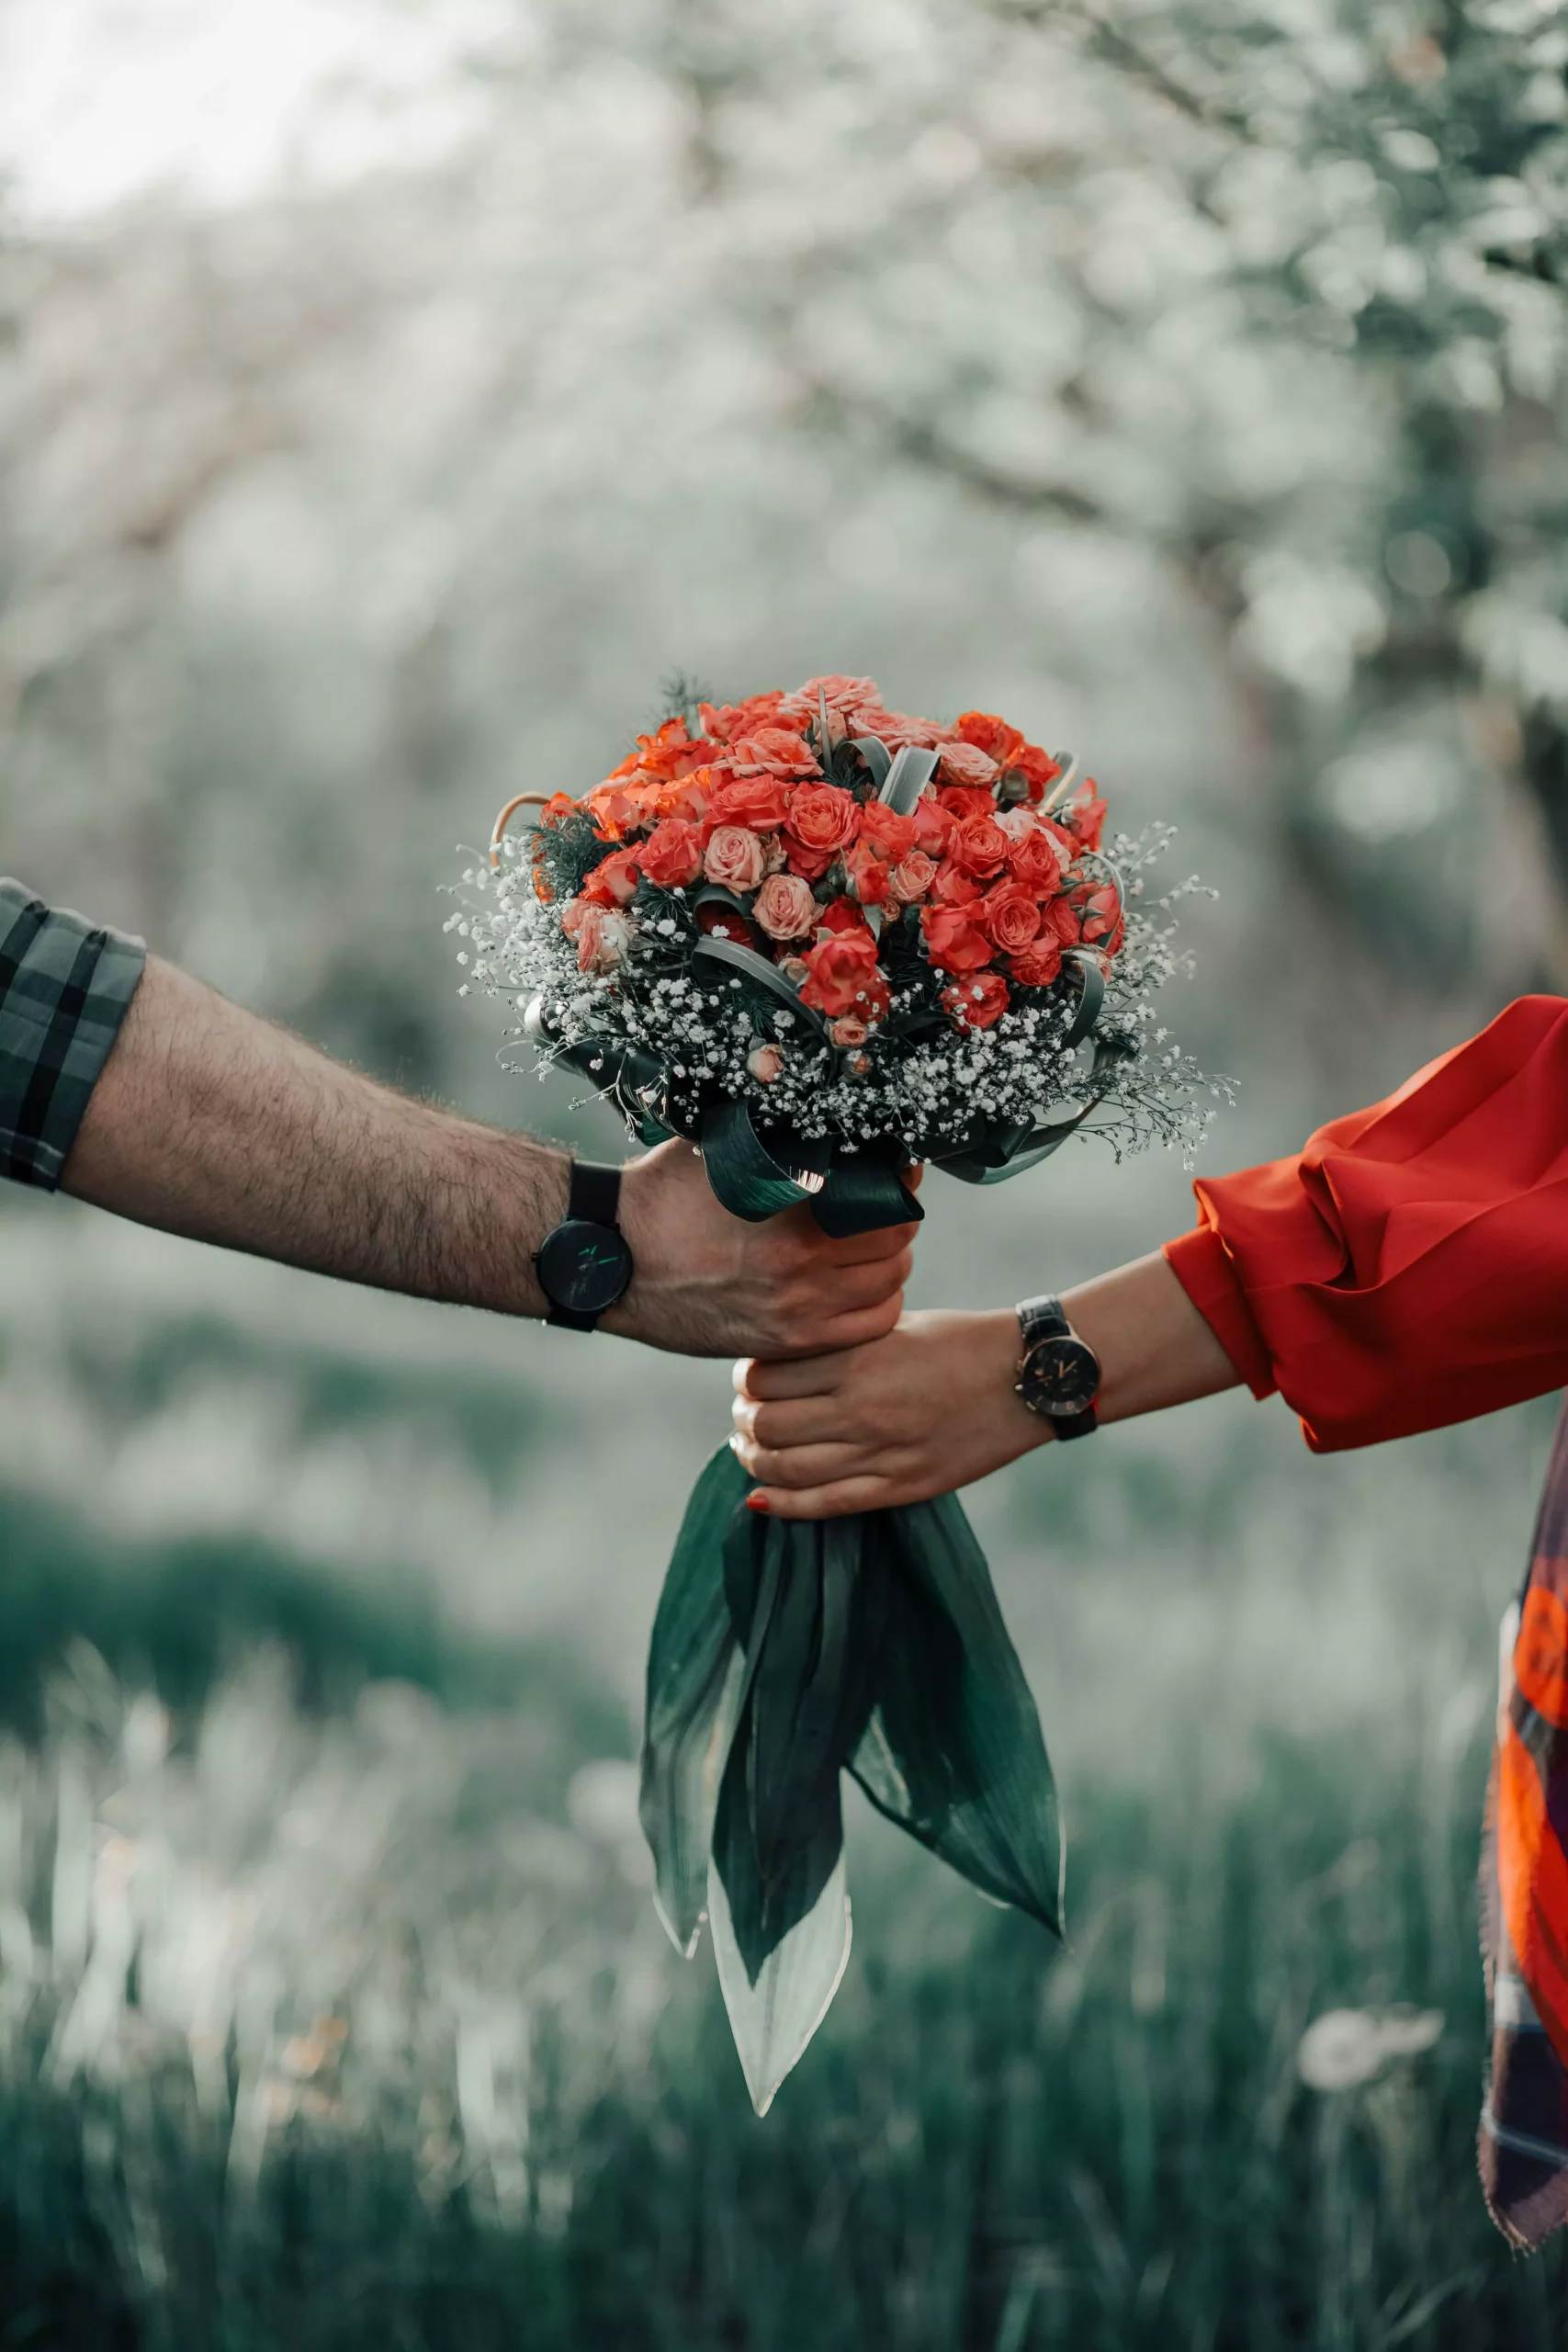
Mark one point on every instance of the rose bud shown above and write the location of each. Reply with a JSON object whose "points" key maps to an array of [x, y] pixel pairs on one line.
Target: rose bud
{"points": [[764, 1062], [848, 1030], [795, 970]]}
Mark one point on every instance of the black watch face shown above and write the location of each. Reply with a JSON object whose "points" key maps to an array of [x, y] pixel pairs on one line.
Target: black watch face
{"points": [[584, 1267], [1060, 1377]]}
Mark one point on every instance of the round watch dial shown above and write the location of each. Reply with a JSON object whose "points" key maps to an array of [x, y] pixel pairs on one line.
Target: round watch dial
{"points": [[1059, 1376], [584, 1267]]}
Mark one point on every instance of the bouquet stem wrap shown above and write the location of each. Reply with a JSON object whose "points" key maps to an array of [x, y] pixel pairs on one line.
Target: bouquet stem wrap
{"points": [[785, 1653]]}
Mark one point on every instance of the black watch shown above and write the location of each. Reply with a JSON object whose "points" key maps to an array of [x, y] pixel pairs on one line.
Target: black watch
{"points": [[1058, 1374], [584, 1266]]}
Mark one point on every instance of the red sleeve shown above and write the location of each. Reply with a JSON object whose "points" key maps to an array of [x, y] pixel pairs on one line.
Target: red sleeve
{"points": [[1410, 1267]]}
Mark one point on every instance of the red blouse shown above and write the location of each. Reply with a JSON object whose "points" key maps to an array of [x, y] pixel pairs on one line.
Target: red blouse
{"points": [[1410, 1267]]}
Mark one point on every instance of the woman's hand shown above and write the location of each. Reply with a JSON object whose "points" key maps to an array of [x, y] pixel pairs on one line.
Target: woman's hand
{"points": [[928, 1408]]}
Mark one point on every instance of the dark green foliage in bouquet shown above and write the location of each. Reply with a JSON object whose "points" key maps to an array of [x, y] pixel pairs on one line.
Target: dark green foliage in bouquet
{"points": [[784, 1654]]}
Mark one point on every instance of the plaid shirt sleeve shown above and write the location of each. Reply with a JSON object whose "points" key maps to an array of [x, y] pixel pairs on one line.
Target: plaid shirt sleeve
{"points": [[64, 987]]}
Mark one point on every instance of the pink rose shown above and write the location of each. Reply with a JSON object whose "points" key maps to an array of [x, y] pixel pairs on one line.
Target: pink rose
{"points": [[764, 1062], [795, 970], [735, 858], [848, 1030], [601, 934], [784, 906], [840, 693], [965, 764], [911, 879]]}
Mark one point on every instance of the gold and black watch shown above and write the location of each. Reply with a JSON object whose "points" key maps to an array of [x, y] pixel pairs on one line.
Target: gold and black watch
{"points": [[1058, 1373]]}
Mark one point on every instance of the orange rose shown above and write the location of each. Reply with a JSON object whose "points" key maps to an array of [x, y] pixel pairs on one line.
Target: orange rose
{"points": [[976, 1003], [961, 802], [980, 846], [730, 720], [933, 826], [1010, 917], [891, 835], [1084, 817], [868, 874], [990, 734], [673, 854], [823, 819], [784, 906], [842, 976], [1098, 910], [613, 882], [756, 801], [1039, 770], [952, 887], [772, 751], [1040, 962], [669, 752], [962, 764], [953, 943]]}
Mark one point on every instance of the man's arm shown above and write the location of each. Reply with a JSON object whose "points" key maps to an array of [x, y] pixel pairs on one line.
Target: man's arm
{"points": [[931, 1407], [209, 1122]]}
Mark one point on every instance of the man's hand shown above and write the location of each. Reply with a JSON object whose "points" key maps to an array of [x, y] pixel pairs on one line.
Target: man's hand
{"points": [[704, 1284], [209, 1122]]}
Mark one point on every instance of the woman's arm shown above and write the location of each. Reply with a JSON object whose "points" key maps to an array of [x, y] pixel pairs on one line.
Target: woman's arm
{"points": [[931, 1407], [1409, 1268]]}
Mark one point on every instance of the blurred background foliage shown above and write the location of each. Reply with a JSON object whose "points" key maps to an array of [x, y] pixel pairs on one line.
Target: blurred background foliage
{"points": [[392, 393]]}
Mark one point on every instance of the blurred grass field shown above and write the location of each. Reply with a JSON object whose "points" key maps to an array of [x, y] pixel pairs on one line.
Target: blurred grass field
{"points": [[334, 2010]]}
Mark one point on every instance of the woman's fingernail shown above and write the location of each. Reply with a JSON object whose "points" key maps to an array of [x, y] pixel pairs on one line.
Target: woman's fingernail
{"points": [[757, 1502]]}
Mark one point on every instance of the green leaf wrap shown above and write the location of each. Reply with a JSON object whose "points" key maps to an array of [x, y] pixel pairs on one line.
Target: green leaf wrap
{"points": [[786, 1652]]}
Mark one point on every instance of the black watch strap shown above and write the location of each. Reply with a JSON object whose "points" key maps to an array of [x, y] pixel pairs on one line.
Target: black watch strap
{"points": [[593, 1197], [595, 1192]]}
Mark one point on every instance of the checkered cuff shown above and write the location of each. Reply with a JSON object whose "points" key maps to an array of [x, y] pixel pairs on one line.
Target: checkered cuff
{"points": [[64, 987]]}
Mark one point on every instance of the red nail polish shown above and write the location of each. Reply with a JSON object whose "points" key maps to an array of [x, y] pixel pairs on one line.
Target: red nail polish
{"points": [[757, 1502]]}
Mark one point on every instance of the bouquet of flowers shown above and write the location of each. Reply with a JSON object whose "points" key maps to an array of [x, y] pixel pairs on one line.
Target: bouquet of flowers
{"points": [[823, 941]]}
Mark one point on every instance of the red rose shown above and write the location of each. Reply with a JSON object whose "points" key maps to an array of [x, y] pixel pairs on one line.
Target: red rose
{"points": [[843, 975], [960, 802], [1010, 916], [962, 764], [842, 914], [952, 941], [988, 734], [952, 887], [755, 801], [976, 1003], [891, 835], [933, 826], [1098, 910], [1040, 962], [613, 882], [980, 846], [673, 854], [1084, 817], [1058, 917], [772, 751], [868, 874], [1035, 862], [1039, 770], [823, 819]]}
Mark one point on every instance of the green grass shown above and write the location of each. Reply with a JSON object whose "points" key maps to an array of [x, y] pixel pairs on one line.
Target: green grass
{"points": [[333, 2012]]}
